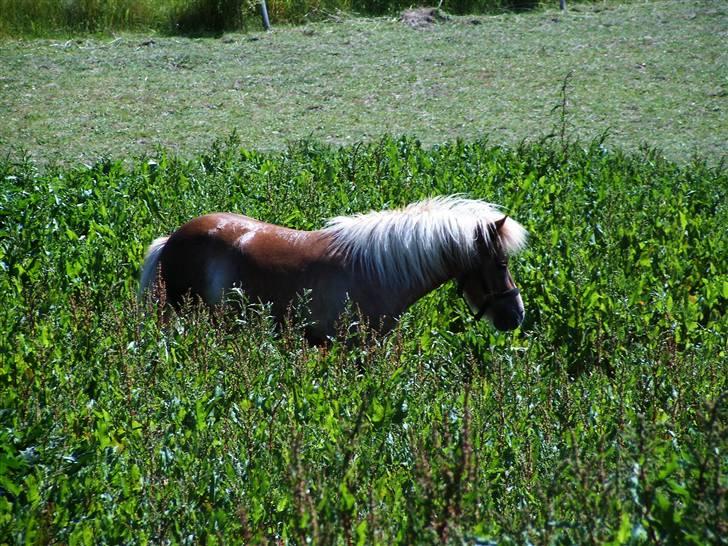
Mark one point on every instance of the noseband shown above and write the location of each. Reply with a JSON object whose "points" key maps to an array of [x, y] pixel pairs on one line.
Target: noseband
{"points": [[490, 299]]}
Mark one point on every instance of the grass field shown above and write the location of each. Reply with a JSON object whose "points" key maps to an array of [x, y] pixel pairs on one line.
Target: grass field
{"points": [[652, 73], [602, 421], [41, 18]]}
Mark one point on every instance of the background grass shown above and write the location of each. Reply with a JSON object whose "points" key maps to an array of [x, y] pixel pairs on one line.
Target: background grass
{"points": [[603, 420], [650, 73], [51, 17]]}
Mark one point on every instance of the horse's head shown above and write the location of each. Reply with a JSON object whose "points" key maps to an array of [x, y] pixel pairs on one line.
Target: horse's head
{"points": [[488, 288]]}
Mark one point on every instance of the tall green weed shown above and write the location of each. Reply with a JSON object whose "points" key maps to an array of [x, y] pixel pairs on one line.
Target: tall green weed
{"points": [[603, 420]]}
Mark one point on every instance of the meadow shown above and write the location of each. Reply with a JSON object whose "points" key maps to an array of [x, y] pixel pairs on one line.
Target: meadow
{"points": [[649, 73], [603, 420], [181, 17]]}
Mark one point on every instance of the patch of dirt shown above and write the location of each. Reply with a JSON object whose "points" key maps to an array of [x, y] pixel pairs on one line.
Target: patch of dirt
{"points": [[423, 17]]}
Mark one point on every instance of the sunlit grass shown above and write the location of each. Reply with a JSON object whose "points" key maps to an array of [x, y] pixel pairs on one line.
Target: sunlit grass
{"points": [[601, 421], [632, 77], [52, 17]]}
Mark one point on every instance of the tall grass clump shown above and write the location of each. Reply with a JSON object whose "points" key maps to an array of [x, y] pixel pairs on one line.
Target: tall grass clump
{"points": [[47, 17], [52, 17], [211, 16], [603, 420]]}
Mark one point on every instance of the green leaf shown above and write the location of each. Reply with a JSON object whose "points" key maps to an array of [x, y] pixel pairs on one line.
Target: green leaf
{"points": [[361, 533], [625, 529], [9, 486], [346, 496], [377, 414]]}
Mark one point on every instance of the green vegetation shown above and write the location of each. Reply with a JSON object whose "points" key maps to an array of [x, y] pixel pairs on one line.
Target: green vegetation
{"points": [[340, 83], [50, 17], [604, 420]]}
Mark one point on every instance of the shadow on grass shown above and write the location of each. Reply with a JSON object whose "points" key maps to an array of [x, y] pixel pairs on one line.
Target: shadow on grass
{"points": [[211, 18], [205, 18]]}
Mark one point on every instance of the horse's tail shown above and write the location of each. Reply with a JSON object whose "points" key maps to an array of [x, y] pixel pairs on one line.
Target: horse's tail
{"points": [[149, 268]]}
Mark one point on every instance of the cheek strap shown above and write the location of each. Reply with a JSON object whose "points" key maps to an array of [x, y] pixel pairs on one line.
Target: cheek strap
{"points": [[490, 299]]}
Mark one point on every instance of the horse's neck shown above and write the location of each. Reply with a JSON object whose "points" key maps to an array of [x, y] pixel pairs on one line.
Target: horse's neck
{"points": [[414, 293], [379, 298]]}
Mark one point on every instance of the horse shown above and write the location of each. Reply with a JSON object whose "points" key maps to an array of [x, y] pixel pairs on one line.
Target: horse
{"points": [[381, 262]]}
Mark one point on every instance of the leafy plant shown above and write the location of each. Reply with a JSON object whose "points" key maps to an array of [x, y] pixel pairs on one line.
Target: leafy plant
{"points": [[603, 420]]}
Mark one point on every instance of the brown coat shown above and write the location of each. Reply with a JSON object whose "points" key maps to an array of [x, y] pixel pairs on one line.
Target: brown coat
{"points": [[212, 254]]}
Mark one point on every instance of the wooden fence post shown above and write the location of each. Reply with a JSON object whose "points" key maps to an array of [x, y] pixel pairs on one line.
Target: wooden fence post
{"points": [[264, 15]]}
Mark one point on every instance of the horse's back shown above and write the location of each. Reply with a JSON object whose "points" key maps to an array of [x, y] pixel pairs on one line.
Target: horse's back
{"points": [[221, 226], [210, 254]]}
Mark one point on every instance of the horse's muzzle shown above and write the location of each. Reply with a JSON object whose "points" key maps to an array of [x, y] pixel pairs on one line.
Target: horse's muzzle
{"points": [[506, 311]]}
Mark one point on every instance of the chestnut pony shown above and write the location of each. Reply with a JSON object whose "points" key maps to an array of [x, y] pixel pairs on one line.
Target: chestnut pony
{"points": [[382, 261]]}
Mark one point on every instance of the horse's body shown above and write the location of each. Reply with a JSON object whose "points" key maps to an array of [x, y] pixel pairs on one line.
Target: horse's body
{"points": [[382, 262]]}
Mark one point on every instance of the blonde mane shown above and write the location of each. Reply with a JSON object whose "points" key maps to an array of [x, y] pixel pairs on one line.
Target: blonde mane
{"points": [[413, 244]]}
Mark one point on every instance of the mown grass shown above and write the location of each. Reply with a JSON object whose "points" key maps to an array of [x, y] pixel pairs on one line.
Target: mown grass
{"points": [[634, 76], [603, 420], [43, 18]]}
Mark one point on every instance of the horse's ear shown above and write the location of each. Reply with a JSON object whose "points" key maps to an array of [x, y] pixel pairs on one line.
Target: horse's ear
{"points": [[499, 223]]}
